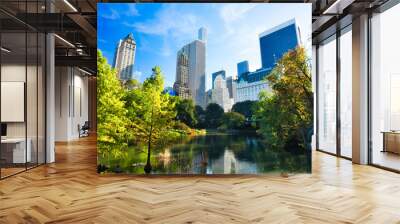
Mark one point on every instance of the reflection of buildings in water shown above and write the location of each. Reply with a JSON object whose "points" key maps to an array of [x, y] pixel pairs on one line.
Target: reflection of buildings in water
{"points": [[200, 162], [165, 157], [228, 164]]}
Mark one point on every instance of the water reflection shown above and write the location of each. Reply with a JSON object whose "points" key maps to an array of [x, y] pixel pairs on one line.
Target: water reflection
{"points": [[226, 154]]}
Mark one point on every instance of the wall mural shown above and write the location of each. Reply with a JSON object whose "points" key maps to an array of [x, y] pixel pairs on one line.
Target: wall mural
{"points": [[204, 88]]}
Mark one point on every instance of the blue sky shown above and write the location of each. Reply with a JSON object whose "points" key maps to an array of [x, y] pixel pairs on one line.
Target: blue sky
{"points": [[161, 29]]}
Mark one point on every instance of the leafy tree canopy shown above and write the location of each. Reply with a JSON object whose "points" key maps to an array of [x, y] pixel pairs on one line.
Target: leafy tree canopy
{"points": [[186, 112], [233, 120], [200, 115], [286, 113], [111, 112], [246, 108], [213, 115]]}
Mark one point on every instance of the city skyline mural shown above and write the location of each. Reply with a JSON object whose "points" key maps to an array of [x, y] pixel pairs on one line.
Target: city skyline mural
{"points": [[182, 91]]}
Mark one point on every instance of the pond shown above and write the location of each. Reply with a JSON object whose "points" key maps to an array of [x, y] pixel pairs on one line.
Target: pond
{"points": [[242, 153]]}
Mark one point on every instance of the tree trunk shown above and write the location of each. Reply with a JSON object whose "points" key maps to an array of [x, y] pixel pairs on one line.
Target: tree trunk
{"points": [[148, 167]]}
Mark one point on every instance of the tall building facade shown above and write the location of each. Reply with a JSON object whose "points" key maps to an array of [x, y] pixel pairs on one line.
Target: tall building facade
{"points": [[202, 34], [250, 84], [242, 67], [220, 93], [181, 85], [124, 58], [231, 85], [196, 52], [275, 42], [215, 74]]}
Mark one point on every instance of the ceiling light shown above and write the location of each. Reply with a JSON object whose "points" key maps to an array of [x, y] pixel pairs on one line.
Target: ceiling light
{"points": [[65, 41], [338, 6], [70, 5], [86, 72], [5, 50]]}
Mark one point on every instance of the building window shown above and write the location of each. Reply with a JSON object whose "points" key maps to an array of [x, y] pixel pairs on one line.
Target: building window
{"points": [[385, 89], [327, 95], [346, 92]]}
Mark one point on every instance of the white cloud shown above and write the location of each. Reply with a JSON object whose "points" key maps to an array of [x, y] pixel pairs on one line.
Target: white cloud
{"points": [[174, 32], [114, 14], [162, 24], [166, 50], [137, 74], [232, 12], [132, 11], [100, 40]]}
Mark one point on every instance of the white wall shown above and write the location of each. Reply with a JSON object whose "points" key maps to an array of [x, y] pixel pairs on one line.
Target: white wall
{"points": [[71, 102], [33, 126]]}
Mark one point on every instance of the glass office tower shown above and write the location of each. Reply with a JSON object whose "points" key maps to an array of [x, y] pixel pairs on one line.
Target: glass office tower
{"points": [[196, 52], [275, 42], [242, 67]]}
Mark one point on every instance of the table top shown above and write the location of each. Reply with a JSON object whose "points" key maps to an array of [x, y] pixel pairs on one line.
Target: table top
{"points": [[391, 132], [13, 140]]}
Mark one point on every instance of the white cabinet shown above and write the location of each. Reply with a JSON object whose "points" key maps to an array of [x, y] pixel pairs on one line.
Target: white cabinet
{"points": [[19, 155]]}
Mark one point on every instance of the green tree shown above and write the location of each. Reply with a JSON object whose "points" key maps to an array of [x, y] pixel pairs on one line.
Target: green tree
{"points": [[286, 113], [200, 115], [111, 112], [131, 84], [151, 113], [213, 114], [186, 112], [233, 120], [246, 108]]}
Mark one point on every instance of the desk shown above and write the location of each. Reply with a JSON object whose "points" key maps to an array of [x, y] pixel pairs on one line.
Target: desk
{"points": [[16, 147], [391, 141]]}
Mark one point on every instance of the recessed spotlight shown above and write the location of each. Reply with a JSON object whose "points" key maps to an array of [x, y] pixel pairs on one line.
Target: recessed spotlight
{"points": [[64, 40], [5, 50], [70, 5], [84, 71]]}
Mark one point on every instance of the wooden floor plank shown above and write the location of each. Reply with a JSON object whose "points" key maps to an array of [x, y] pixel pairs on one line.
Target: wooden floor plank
{"points": [[70, 191]]}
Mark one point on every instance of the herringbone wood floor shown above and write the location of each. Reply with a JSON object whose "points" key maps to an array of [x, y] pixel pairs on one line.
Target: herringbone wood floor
{"points": [[70, 191]]}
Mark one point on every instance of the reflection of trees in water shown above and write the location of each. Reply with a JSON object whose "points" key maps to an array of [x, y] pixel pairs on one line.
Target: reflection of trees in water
{"points": [[195, 154], [282, 160]]}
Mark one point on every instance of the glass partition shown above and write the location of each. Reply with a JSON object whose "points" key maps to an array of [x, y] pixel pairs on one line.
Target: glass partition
{"points": [[14, 153], [385, 89], [327, 95], [346, 92], [22, 88]]}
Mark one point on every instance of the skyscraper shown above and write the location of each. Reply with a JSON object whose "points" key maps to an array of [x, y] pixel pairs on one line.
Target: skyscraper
{"points": [[124, 57], [220, 93], [275, 42], [181, 85], [231, 85], [202, 34], [242, 67], [215, 74], [196, 53]]}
